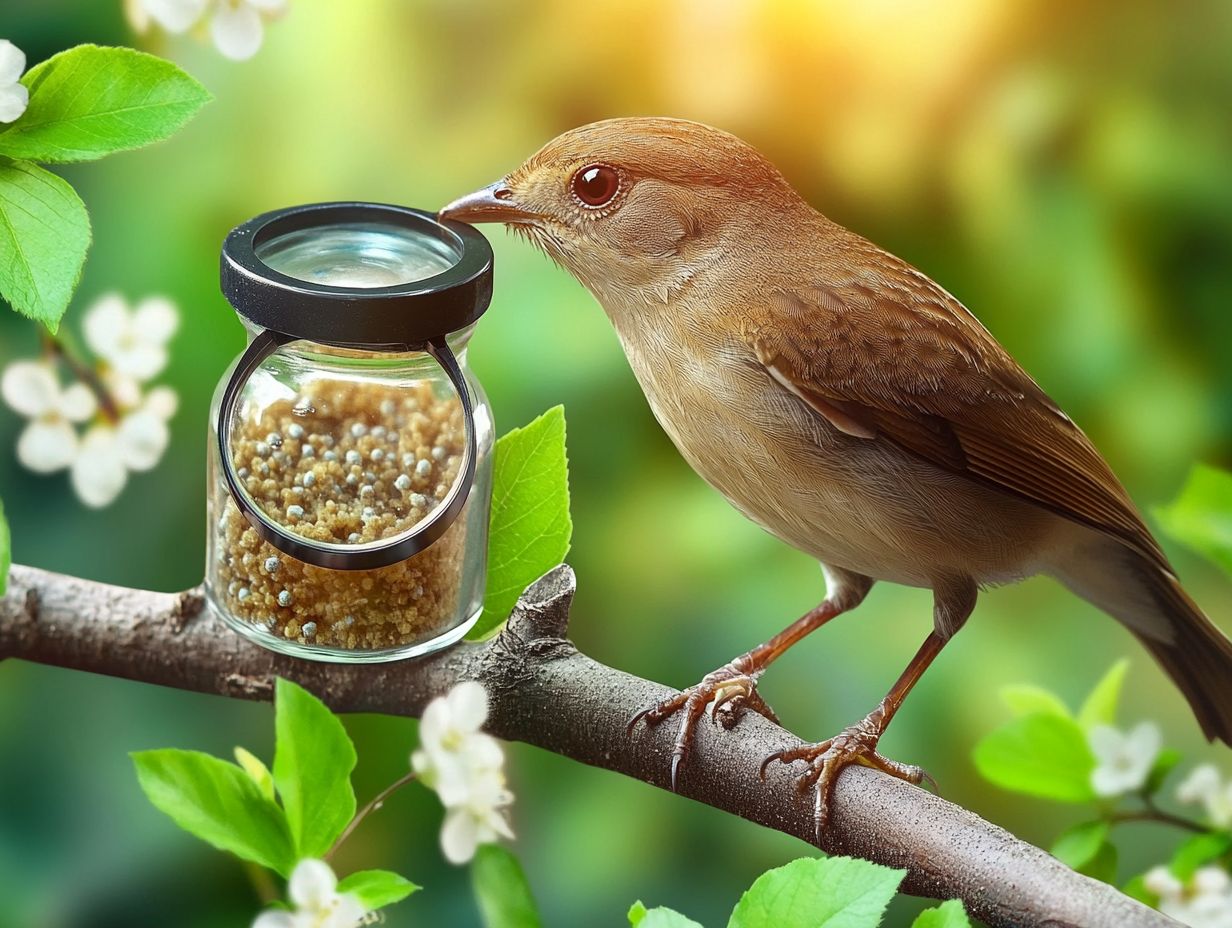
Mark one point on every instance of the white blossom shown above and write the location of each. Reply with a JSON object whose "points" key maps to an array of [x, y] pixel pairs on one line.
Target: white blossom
{"points": [[14, 97], [465, 767], [1123, 760], [237, 27], [49, 442], [1204, 902], [108, 452], [313, 890], [1204, 786], [133, 342]]}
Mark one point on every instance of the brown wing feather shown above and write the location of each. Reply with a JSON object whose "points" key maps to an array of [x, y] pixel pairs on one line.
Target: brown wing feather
{"points": [[898, 358]]}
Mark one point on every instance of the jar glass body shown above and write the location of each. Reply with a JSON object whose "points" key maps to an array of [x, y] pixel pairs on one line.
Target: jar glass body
{"points": [[338, 442]]}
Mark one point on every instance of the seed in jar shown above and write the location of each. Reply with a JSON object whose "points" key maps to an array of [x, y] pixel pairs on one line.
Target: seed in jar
{"points": [[423, 468], [242, 473], [358, 430], [352, 479], [355, 538], [295, 511], [330, 455], [438, 453], [309, 479], [377, 454], [295, 430], [403, 482], [366, 490], [369, 513], [272, 564], [309, 629], [419, 501], [378, 431], [274, 439], [408, 460], [307, 451], [353, 457], [284, 598], [243, 593]]}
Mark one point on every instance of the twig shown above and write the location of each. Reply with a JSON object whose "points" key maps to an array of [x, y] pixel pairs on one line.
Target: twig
{"points": [[377, 801], [59, 348], [544, 692]]}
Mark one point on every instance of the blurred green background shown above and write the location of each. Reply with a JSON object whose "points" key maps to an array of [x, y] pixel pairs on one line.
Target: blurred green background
{"points": [[1062, 167]]}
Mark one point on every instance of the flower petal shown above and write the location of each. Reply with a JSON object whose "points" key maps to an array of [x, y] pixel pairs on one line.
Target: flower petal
{"points": [[13, 102], [468, 705], [459, 836], [236, 30], [98, 473], [12, 62], [272, 7], [274, 919], [1110, 781], [312, 884], [47, 445], [1162, 882], [106, 325], [1106, 743], [140, 360], [142, 439], [1202, 782], [175, 15], [162, 402], [156, 319], [77, 403], [30, 387], [348, 912], [125, 390]]}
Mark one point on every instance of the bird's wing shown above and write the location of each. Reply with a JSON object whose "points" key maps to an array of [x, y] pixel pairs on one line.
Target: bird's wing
{"points": [[896, 358]]}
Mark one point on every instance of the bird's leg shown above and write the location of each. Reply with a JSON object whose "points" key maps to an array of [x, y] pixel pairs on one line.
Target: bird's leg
{"points": [[734, 685], [857, 744]]}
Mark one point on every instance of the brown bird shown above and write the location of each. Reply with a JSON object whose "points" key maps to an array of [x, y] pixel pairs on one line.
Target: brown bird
{"points": [[846, 403]]}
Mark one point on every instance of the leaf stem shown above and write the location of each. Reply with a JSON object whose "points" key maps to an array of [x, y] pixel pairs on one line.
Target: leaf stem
{"points": [[377, 801], [1152, 813], [262, 883], [59, 349]]}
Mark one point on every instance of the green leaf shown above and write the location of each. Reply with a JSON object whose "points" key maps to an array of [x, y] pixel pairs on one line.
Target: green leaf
{"points": [[1100, 706], [255, 768], [1077, 846], [501, 890], [217, 802], [1197, 851], [1103, 866], [6, 550], [1026, 699], [1040, 755], [313, 760], [530, 524], [1136, 889], [947, 915], [659, 917], [377, 888], [1201, 515], [1164, 764], [44, 235], [834, 892], [89, 101]]}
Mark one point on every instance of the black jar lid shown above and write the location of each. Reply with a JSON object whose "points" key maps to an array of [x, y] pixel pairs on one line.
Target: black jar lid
{"points": [[357, 275]]}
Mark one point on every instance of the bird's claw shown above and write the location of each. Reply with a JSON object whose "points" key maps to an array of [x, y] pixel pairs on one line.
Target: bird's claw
{"points": [[728, 690], [827, 759]]}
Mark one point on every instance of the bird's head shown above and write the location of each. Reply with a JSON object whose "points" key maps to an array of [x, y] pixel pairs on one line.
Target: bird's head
{"points": [[636, 207]]}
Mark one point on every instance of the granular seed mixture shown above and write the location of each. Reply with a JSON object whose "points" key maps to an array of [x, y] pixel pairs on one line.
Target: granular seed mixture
{"points": [[345, 462]]}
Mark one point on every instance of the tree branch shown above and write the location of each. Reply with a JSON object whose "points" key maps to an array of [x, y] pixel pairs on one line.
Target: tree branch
{"points": [[546, 693]]}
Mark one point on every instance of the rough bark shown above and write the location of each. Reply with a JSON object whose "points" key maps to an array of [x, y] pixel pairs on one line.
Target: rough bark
{"points": [[545, 692]]}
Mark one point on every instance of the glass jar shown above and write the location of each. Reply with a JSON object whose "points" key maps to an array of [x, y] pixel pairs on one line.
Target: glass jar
{"points": [[350, 445]]}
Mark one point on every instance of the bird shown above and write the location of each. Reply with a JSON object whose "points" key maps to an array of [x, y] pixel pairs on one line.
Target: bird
{"points": [[845, 402]]}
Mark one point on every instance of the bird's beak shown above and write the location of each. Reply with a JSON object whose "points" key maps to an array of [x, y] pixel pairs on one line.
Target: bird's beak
{"points": [[493, 203]]}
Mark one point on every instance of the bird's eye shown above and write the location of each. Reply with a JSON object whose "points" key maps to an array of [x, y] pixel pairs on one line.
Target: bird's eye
{"points": [[596, 185]]}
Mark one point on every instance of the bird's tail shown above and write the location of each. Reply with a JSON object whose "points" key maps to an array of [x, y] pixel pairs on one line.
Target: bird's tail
{"points": [[1198, 658], [1194, 653]]}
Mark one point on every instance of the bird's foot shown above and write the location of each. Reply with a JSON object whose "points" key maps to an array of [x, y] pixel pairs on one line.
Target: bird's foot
{"points": [[827, 759], [728, 691]]}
